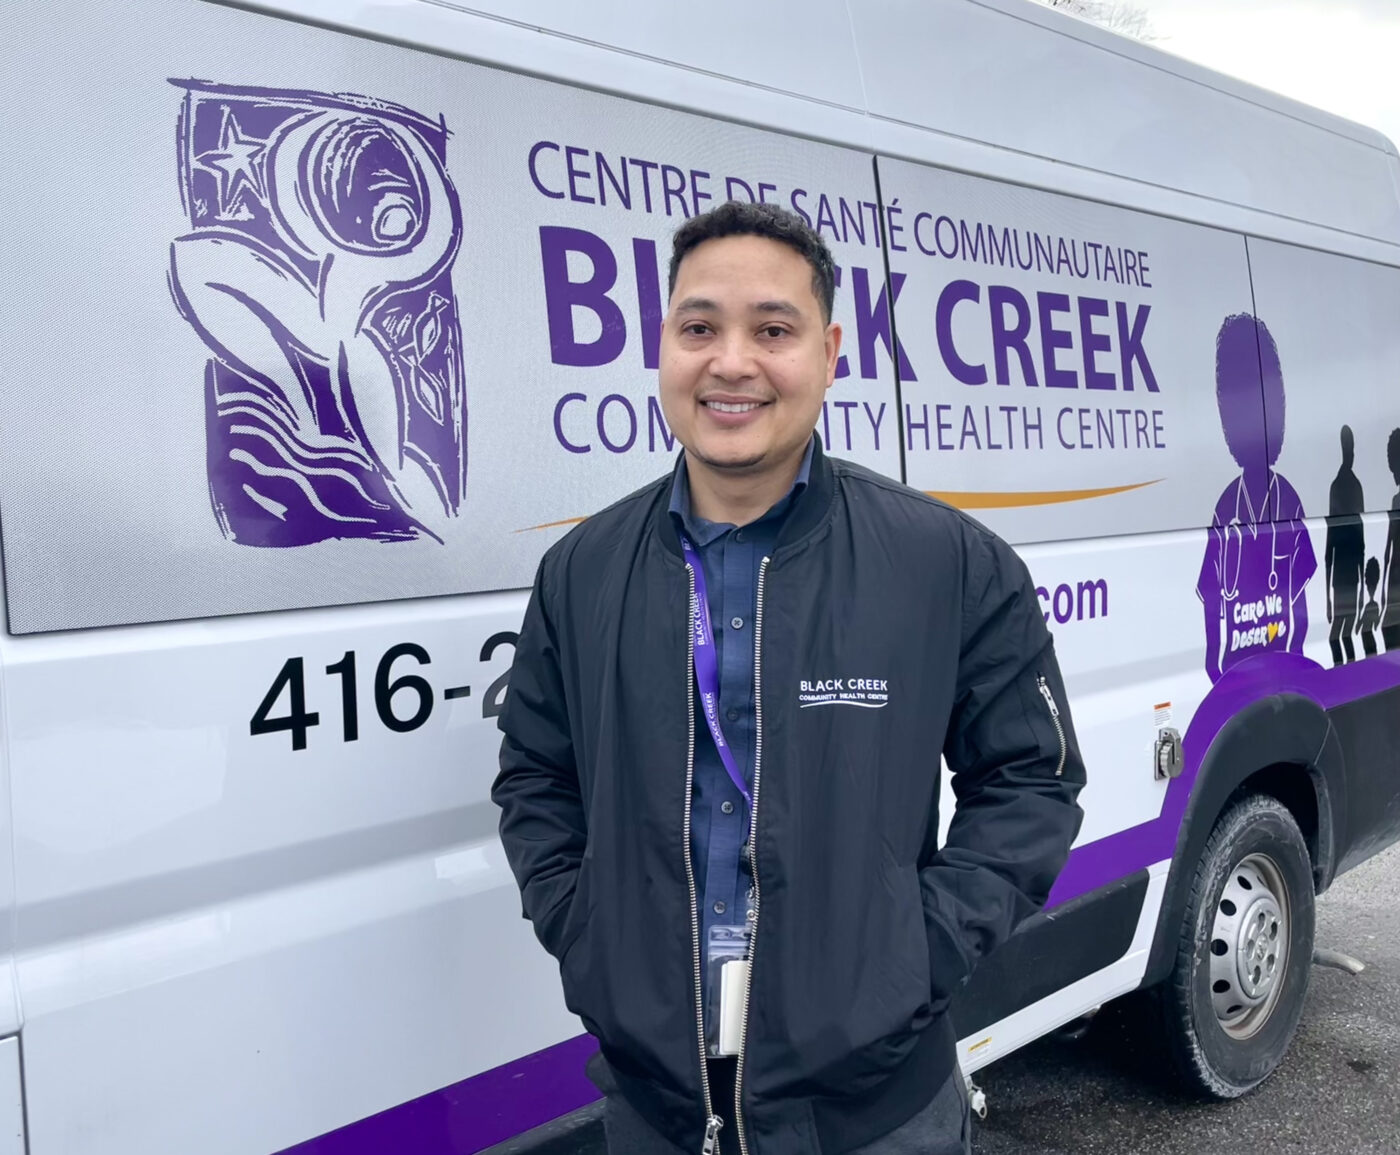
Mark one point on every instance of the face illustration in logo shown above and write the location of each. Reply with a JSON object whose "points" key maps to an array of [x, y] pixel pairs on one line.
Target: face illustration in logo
{"points": [[1259, 556], [318, 274]]}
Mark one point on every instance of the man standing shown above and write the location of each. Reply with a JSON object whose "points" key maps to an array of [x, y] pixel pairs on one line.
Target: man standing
{"points": [[720, 772]]}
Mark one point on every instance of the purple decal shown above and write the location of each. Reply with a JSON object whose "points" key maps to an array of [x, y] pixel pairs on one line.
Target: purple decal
{"points": [[1098, 863], [318, 272], [563, 295], [1259, 556], [953, 293], [474, 1114], [873, 322]]}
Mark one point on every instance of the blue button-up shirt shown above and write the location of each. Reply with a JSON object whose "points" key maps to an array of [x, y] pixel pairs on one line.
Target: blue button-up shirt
{"points": [[731, 557]]}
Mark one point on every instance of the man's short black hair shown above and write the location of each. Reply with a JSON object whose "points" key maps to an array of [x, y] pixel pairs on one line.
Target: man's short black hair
{"points": [[741, 219]]}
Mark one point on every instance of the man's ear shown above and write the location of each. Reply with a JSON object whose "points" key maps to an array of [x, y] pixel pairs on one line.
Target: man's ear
{"points": [[833, 351]]}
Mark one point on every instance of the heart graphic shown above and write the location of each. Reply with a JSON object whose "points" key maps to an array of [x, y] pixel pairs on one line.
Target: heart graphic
{"points": [[1273, 630]]}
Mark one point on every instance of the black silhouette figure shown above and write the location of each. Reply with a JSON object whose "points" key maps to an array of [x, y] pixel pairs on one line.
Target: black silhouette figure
{"points": [[1345, 552], [1371, 615], [1390, 581]]}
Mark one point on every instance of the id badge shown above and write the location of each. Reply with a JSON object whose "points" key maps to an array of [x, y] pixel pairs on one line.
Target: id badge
{"points": [[733, 994], [727, 969]]}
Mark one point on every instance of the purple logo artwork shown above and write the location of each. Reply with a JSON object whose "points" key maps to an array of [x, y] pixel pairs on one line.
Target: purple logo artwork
{"points": [[1259, 556], [318, 273]]}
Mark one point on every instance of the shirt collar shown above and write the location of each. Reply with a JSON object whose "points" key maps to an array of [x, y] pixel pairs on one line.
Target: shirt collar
{"points": [[703, 532]]}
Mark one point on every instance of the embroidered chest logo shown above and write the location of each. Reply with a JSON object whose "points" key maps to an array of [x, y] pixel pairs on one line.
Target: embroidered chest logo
{"points": [[867, 693]]}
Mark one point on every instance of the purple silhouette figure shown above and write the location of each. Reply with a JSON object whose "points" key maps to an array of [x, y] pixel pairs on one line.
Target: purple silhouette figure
{"points": [[1259, 556], [318, 272]]}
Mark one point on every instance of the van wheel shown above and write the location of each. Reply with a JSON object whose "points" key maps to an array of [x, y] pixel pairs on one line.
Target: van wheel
{"points": [[1244, 956]]}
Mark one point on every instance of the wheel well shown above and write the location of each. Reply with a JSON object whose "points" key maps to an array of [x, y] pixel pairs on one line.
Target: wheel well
{"points": [[1291, 785], [1282, 746]]}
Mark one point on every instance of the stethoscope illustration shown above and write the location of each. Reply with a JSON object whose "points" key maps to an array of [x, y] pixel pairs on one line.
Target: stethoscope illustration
{"points": [[1255, 526]]}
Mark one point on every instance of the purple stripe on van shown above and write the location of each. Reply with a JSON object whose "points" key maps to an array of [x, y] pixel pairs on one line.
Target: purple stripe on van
{"points": [[1099, 863], [474, 1114]]}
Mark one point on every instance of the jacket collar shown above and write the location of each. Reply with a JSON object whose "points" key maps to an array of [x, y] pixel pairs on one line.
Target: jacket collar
{"points": [[809, 506]]}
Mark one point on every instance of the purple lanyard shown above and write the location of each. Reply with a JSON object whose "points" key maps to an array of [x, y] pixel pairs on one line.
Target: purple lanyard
{"points": [[707, 668]]}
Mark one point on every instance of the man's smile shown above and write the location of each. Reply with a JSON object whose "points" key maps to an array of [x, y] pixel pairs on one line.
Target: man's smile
{"points": [[732, 406]]}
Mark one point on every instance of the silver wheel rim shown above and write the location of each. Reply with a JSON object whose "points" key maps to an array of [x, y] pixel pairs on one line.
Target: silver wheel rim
{"points": [[1248, 948]]}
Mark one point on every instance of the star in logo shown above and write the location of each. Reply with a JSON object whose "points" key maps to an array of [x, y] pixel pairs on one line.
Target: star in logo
{"points": [[236, 162]]}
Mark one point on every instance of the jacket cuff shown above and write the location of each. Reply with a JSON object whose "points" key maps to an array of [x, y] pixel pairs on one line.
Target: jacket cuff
{"points": [[947, 964]]}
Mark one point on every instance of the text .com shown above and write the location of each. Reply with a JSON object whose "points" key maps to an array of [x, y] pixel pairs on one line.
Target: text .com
{"points": [[1082, 601]]}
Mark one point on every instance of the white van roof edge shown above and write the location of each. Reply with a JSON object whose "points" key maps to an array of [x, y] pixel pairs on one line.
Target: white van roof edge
{"points": [[1161, 57], [447, 27]]}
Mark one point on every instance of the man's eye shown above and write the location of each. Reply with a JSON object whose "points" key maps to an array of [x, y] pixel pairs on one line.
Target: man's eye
{"points": [[774, 331], [696, 328]]}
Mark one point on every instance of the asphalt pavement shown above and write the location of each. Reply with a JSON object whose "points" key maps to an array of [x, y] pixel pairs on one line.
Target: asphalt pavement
{"points": [[1338, 1090]]}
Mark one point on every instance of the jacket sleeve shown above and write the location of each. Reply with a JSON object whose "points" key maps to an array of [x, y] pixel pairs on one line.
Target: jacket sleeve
{"points": [[1016, 774], [543, 823]]}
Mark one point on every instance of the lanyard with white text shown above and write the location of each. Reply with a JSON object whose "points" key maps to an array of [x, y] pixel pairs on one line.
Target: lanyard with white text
{"points": [[707, 668]]}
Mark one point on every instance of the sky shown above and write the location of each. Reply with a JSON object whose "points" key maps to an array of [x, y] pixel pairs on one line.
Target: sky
{"points": [[1340, 55]]}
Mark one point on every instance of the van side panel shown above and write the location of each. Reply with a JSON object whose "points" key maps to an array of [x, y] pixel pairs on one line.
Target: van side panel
{"points": [[1338, 422], [1160, 125], [1251, 601], [213, 919], [341, 419]]}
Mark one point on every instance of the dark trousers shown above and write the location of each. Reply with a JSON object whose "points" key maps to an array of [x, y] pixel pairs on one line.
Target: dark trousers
{"points": [[944, 1127]]}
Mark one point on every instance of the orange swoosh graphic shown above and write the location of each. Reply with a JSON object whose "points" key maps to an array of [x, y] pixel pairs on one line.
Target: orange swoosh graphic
{"points": [[967, 500], [552, 524], [982, 500]]}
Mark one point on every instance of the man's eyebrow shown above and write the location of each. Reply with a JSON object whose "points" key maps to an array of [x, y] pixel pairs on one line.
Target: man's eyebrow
{"points": [[786, 308], [696, 305], [706, 305]]}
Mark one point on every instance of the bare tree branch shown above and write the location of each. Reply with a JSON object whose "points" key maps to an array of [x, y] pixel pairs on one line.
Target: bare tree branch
{"points": [[1127, 19]]}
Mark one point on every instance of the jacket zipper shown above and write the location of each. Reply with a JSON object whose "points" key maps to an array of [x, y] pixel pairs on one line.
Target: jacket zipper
{"points": [[712, 1121], [1059, 726], [753, 850]]}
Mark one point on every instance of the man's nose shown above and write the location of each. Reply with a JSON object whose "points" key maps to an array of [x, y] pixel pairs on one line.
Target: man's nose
{"points": [[733, 358]]}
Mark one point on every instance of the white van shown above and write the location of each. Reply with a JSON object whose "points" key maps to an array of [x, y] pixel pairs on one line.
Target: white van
{"points": [[322, 320]]}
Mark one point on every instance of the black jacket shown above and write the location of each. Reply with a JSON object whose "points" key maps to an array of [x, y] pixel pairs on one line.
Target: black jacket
{"points": [[866, 927]]}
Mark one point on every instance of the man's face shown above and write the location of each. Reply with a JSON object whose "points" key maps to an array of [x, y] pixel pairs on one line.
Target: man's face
{"points": [[746, 357]]}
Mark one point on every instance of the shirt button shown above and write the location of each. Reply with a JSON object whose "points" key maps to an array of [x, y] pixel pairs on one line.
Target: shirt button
{"points": [[737, 623], [727, 806], [739, 535], [733, 715], [719, 908]]}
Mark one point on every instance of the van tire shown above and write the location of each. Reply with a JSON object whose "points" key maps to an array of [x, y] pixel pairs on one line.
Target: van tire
{"points": [[1228, 1011]]}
